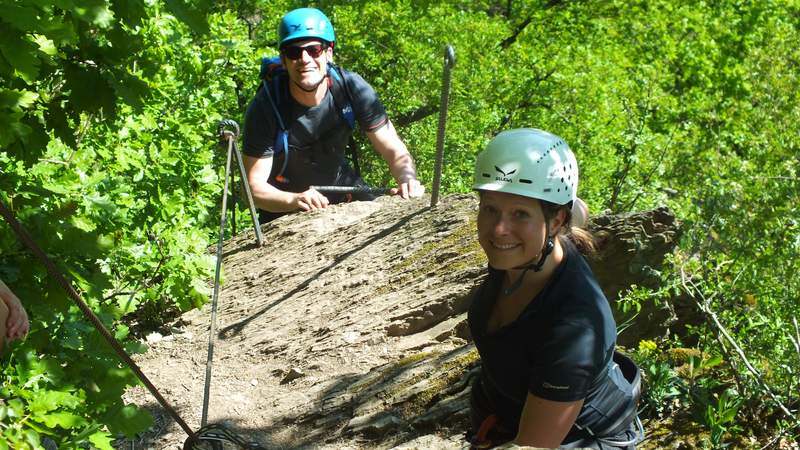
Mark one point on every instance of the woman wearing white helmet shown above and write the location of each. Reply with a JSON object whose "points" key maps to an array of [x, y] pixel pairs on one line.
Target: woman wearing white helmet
{"points": [[550, 376]]}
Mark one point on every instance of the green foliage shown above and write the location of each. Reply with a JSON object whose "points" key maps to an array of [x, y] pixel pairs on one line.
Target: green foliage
{"points": [[107, 115], [720, 417], [108, 160], [661, 384]]}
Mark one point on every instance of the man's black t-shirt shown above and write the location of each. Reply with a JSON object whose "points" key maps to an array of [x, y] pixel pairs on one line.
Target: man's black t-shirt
{"points": [[559, 348], [318, 135]]}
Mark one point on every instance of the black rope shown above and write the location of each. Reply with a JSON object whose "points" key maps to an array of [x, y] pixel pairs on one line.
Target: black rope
{"points": [[76, 298]]}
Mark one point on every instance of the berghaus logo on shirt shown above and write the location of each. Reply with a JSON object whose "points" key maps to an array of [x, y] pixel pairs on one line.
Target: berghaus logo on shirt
{"points": [[547, 385]]}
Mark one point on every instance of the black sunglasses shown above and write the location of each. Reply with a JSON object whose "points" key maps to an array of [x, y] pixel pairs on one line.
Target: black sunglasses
{"points": [[296, 52]]}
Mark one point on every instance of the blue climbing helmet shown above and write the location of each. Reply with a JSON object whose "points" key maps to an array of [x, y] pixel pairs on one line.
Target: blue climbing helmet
{"points": [[305, 23]]}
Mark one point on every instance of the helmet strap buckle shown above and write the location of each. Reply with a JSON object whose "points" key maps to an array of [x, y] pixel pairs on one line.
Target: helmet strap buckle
{"points": [[549, 245]]}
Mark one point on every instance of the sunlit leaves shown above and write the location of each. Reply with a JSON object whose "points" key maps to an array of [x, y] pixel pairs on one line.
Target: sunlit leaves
{"points": [[19, 56], [192, 13], [44, 401]]}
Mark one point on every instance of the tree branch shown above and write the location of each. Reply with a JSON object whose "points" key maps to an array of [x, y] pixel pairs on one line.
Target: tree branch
{"points": [[513, 38], [415, 115], [705, 307]]}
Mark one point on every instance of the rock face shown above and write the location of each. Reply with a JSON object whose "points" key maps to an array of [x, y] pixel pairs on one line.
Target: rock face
{"points": [[347, 329]]}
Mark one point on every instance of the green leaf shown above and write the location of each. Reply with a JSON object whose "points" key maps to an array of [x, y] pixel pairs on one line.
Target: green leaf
{"points": [[12, 129], [132, 90], [21, 54], [192, 14], [135, 348], [121, 332], [102, 202], [23, 18], [29, 365], [57, 188], [95, 12], [47, 46], [57, 120], [713, 362], [101, 440], [80, 222], [61, 419], [60, 32], [44, 401], [89, 90], [14, 99], [129, 420], [112, 384], [105, 242], [132, 12], [32, 437]]}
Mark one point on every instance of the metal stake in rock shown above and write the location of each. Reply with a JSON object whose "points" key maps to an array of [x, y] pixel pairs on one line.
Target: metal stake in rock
{"points": [[449, 62]]}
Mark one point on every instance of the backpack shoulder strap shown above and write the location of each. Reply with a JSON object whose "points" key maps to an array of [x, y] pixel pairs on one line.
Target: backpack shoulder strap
{"points": [[343, 102], [341, 95], [273, 80], [273, 77]]}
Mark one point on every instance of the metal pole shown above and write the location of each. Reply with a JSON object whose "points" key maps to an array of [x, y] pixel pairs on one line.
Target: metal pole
{"points": [[449, 62], [213, 327], [231, 136], [352, 190]]}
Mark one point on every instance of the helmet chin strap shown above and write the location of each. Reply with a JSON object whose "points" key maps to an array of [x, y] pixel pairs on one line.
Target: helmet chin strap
{"points": [[536, 267]]}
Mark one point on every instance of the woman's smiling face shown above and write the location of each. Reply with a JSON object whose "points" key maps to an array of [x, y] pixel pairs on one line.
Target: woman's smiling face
{"points": [[511, 229]]}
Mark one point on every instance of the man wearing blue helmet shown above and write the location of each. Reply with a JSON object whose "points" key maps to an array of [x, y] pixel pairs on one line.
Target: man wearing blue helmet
{"points": [[317, 133]]}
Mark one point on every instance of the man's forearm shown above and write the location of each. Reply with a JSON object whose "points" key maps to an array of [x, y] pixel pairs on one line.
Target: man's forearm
{"points": [[272, 199], [394, 152], [265, 195], [402, 167]]}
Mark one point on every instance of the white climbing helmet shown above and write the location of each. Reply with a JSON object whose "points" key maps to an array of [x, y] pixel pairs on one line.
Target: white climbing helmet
{"points": [[528, 162]]}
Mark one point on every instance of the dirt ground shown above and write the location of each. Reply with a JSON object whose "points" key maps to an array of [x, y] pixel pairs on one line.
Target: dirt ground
{"points": [[300, 320]]}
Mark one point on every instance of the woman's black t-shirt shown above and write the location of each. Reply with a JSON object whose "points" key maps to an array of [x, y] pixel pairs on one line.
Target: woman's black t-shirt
{"points": [[559, 348]]}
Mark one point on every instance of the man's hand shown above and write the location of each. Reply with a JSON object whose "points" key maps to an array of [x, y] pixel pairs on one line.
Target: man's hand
{"points": [[409, 189], [311, 200]]}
